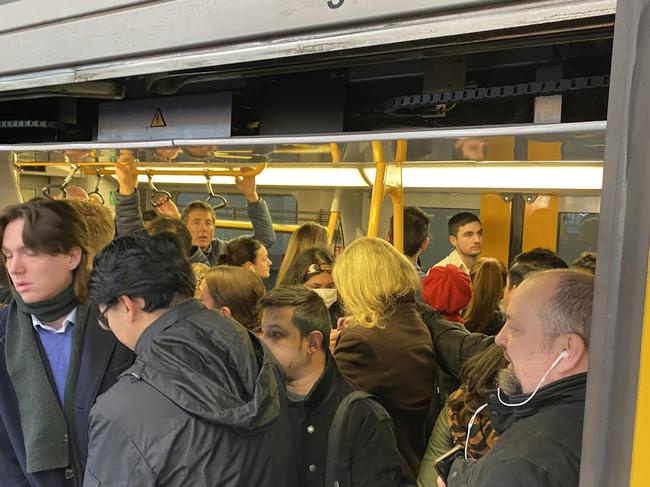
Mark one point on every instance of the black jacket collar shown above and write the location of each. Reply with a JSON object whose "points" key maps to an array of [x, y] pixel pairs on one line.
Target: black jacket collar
{"points": [[564, 391], [325, 386]]}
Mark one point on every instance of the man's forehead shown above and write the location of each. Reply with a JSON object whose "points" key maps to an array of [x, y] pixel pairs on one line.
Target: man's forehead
{"points": [[532, 293], [470, 227], [200, 213], [277, 315]]}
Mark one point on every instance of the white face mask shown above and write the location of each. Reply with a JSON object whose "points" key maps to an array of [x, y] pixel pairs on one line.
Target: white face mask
{"points": [[328, 295]]}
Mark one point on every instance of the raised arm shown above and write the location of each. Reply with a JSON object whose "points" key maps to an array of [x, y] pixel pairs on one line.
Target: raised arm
{"points": [[128, 218], [258, 211]]}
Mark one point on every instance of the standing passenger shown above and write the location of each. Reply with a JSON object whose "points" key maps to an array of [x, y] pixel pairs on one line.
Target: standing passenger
{"points": [[483, 315], [306, 236], [248, 253], [234, 292], [416, 235], [203, 405], [385, 348], [538, 411], [198, 216], [313, 269], [296, 329], [54, 359], [466, 236]]}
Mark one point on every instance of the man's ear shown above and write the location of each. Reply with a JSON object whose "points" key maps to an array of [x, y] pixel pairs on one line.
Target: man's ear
{"points": [[131, 306], [225, 310], [424, 245], [74, 257], [576, 353], [314, 341], [452, 240]]}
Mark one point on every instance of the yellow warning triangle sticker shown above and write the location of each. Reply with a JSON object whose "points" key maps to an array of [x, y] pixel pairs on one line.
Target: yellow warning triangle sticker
{"points": [[158, 120]]}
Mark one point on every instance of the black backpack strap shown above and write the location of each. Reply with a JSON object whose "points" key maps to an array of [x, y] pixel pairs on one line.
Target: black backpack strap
{"points": [[334, 439]]}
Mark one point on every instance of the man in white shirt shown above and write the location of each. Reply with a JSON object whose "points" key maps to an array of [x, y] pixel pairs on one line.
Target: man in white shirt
{"points": [[466, 236]]}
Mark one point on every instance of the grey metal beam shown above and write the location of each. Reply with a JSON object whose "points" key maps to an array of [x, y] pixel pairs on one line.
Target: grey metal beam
{"points": [[136, 41], [622, 258]]}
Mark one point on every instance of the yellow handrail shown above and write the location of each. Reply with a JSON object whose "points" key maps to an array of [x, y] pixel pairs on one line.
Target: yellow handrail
{"points": [[107, 169], [236, 225]]}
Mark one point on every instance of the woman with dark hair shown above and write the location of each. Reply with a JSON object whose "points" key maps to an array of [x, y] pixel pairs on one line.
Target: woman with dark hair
{"points": [[235, 292], [479, 374], [313, 269], [248, 253], [482, 315]]}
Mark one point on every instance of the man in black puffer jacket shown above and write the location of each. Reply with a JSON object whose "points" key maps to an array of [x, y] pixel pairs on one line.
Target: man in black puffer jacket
{"points": [[546, 338], [204, 404]]}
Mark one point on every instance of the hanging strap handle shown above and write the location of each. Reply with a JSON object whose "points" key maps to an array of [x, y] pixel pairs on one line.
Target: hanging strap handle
{"points": [[158, 196], [211, 194]]}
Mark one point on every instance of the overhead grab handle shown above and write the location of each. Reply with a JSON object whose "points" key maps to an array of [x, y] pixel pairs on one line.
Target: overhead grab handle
{"points": [[211, 194], [47, 190], [95, 194], [158, 196]]}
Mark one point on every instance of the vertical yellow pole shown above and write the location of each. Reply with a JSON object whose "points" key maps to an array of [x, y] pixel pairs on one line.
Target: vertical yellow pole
{"points": [[334, 217], [396, 191], [334, 207], [377, 189], [640, 471], [336, 153]]}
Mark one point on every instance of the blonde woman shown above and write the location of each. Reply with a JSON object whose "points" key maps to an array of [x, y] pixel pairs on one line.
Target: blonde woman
{"points": [[385, 348], [308, 235], [234, 292]]}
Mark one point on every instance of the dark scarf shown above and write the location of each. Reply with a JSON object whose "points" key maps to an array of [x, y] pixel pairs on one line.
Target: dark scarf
{"points": [[45, 428]]}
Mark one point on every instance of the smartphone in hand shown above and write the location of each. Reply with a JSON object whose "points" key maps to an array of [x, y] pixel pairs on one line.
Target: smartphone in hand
{"points": [[443, 462]]}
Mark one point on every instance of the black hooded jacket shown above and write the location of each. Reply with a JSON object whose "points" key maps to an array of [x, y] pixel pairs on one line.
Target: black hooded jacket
{"points": [[203, 405], [539, 443]]}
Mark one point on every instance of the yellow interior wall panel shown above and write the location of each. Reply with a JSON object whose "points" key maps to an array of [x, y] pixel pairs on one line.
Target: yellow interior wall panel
{"points": [[495, 217], [544, 151], [500, 148], [640, 472], [540, 223]]}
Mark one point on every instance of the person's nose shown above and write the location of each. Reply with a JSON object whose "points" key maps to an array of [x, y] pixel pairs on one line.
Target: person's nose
{"points": [[500, 339], [15, 266]]}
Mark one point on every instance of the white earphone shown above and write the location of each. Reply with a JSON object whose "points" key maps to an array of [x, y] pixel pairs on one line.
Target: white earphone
{"points": [[563, 355]]}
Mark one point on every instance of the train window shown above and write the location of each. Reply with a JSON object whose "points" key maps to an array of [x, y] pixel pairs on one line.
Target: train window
{"points": [[577, 232], [439, 246], [283, 209]]}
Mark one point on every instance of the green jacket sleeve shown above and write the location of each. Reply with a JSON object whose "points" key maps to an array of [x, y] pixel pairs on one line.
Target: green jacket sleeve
{"points": [[439, 442]]}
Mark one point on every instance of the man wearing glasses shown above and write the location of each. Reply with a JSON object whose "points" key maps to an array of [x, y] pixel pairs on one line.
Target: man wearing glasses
{"points": [[204, 403]]}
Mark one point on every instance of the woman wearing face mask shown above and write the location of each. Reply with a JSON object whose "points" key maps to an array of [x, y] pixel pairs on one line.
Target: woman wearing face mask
{"points": [[313, 269], [248, 253]]}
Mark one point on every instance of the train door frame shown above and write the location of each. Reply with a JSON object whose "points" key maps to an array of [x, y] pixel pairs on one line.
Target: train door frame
{"points": [[617, 406]]}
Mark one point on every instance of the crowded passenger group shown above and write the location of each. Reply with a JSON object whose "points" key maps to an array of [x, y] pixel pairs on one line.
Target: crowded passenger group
{"points": [[140, 350]]}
